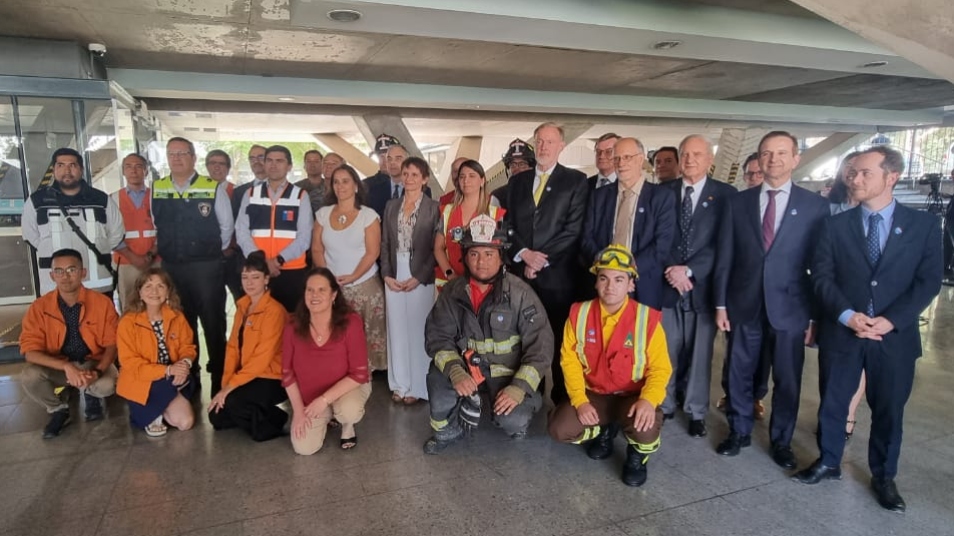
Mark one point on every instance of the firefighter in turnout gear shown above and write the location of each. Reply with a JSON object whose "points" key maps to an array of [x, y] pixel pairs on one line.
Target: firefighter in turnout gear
{"points": [[616, 367], [487, 333]]}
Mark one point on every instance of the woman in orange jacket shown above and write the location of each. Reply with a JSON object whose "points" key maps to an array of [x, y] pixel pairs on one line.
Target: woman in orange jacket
{"points": [[251, 383], [156, 353]]}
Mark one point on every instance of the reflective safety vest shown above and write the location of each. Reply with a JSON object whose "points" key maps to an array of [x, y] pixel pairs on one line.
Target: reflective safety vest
{"points": [[187, 227], [140, 230], [620, 367], [274, 225]]}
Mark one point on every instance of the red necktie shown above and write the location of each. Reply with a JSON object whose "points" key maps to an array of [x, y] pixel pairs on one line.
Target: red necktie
{"points": [[768, 221]]}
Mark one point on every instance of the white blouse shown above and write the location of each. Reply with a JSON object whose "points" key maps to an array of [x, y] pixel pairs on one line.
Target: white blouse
{"points": [[345, 248]]}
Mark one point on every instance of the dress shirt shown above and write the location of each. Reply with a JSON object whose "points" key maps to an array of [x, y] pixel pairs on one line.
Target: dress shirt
{"points": [[781, 202], [697, 192], [136, 196], [305, 224], [637, 188], [606, 180]]}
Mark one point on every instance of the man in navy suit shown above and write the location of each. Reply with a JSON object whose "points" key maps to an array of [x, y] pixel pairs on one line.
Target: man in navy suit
{"points": [[637, 214], [763, 293], [876, 268], [545, 210], [605, 166], [688, 309]]}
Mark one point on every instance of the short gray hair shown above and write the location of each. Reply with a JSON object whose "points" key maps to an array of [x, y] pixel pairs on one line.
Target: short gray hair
{"points": [[704, 139], [550, 124]]}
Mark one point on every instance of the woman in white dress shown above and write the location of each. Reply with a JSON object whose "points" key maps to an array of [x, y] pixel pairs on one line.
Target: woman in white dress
{"points": [[347, 241], [407, 264]]}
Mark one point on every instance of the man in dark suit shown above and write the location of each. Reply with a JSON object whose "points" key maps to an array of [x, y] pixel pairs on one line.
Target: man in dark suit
{"points": [[518, 158], [380, 190], [381, 145], [876, 268], [666, 164], [763, 293], [605, 166], [636, 214], [545, 210], [688, 309]]}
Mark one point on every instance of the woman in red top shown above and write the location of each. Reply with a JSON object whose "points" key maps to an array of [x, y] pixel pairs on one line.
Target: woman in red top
{"points": [[471, 199], [324, 365]]}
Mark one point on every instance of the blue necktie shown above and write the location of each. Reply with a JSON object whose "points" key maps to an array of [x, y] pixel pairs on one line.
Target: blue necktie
{"points": [[874, 248]]}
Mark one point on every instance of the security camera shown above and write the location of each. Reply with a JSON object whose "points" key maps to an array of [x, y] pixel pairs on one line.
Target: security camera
{"points": [[97, 49]]}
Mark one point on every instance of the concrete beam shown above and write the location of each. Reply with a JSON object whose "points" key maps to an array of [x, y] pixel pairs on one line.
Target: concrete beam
{"points": [[832, 146], [355, 158], [735, 145], [373, 125], [463, 147], [922, 31], [174, 84]]}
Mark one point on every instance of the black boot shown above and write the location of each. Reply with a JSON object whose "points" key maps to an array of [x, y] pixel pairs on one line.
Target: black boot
{"points": [[601, 447], [634, 469]]}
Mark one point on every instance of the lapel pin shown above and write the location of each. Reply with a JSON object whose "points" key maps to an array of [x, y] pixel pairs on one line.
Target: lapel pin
{"points": [[794, 212], [710, 198], [641, 210], [705, 204], [897, 230], [548, 188]]}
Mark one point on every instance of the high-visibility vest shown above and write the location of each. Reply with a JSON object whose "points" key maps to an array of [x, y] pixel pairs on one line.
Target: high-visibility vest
{"points": [[187, 227], [140, 229], [620, 367], [274, 225]]}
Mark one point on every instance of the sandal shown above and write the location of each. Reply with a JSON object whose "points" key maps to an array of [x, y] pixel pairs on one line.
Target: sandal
{"points": [[156, 428], [410, 400], [396, 397], [850, 429], [349, 443]]}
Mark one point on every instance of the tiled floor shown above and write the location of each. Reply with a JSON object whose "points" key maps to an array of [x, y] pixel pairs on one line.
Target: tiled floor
{"points": [[106, 479]]}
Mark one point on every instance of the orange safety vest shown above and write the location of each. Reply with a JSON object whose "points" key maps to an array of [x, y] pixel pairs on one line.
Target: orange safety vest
{"points": [[273, 226], [140, 229], [619, 368]]}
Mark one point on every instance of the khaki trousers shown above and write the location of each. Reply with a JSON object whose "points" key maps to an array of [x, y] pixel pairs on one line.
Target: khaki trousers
{"points": [[40, 384], [348, 410]]}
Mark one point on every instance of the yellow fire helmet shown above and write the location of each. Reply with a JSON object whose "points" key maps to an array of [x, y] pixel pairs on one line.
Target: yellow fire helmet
{"points": [[615, 257]]}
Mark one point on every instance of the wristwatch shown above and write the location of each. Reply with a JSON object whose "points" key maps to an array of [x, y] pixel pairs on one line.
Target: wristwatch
{"points": [[281, 260]]}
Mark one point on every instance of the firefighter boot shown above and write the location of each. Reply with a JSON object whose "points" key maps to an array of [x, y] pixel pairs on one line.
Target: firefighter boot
{"points": [[634, 469], [601, 446]]}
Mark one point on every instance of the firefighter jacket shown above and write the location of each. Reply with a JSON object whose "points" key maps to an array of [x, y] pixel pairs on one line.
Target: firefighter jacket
{"points": [[46, 228], [510, 332]]}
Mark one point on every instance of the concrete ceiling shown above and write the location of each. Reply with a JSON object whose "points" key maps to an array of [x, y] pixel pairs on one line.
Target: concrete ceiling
{"points": [[559, 52]]}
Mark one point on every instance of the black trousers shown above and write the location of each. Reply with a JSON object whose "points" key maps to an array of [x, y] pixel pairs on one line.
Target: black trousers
{"points": [[200, 289], [232, 272], [890, 379], [557, 304], [787, 353], [288, 288], [252, 407]]}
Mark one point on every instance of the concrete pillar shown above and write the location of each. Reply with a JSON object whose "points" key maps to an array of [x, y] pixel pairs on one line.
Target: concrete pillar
{"points": [[464, 147], [921, 32], [735, 144], [832, 146], [355, 158], [372, 126]]}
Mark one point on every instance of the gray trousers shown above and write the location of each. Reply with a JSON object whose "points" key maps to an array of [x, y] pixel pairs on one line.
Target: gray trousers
{"points": [[445, 419], [690, 337], [40, 384]]}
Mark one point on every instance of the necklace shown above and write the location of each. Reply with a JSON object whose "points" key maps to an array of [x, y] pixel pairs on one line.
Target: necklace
{"points": [[343, 218], [318, 336]]}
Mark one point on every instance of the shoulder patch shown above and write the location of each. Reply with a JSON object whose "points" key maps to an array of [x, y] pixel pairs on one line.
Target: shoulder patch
{"points": [[529, 313]]}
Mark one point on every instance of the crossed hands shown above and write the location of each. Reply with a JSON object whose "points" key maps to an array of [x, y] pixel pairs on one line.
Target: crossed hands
{"points": [[678, 279], [535, 262], [401, 286], [866, 327]]}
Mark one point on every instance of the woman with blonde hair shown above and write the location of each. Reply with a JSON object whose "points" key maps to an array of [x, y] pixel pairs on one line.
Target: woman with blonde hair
{"points": [[470, 199], [156, 351]]}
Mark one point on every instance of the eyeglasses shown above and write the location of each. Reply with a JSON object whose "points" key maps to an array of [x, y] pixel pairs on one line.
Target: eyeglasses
{"points": [[752, 173], [179, 154], [627, 158], [604, 152], [256, 158], [60, 272]]}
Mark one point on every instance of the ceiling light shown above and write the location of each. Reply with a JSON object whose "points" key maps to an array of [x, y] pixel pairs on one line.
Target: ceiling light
{"points": [[666, 45], [344, 15], [873, 64], [286, 99]]}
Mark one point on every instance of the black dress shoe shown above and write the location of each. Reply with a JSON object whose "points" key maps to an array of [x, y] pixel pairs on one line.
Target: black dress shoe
{"points": [[734, 443], [817, 472], [601, 447], [697, 428], [887, 493], [784, 457]]}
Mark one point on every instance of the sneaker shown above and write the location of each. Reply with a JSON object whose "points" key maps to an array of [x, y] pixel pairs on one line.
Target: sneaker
{"points": [[59, 420], [94, 407]]}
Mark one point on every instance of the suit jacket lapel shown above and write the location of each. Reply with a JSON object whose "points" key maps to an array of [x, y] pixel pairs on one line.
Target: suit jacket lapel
{"points": [[790, 217], [755, 212], [896, 231], [704, 205], [639, 218], [546, 188]]}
